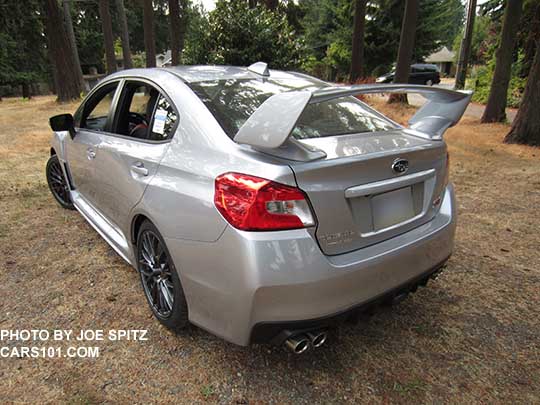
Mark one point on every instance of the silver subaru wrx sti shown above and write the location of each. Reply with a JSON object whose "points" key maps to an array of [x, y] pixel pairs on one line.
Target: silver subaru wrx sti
{"points": [[260, 205]]}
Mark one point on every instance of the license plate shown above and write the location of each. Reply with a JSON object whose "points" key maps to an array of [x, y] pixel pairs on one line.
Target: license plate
{"points": [[391, 208]]}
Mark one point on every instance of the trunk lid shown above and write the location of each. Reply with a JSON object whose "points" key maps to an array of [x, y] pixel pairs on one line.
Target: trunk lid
{"points": [[357, 196]]}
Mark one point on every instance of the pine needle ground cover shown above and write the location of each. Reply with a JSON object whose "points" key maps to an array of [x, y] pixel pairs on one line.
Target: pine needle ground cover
{"points": [[470, 337]]}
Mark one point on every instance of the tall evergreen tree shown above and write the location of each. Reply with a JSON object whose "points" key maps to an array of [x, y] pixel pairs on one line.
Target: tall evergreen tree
{"points": [[357, 59], [69, 87], [495, 110], [105, 14], [328, 29], [177, 25], [149, 36], [526, 125], [406, 46], [124, 34], [465, 49], [69, 28]]}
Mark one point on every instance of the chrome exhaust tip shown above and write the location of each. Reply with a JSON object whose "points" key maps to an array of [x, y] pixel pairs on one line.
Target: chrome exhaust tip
{"points": [[298, 344], [317, 338]]}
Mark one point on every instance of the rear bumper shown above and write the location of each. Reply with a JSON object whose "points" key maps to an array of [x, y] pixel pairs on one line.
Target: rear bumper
{"points": [[278, 332], [255, 278]]}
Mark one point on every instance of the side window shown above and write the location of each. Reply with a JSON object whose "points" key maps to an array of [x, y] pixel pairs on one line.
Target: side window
{"points": [[144, 113], [164, 121], [96, 109], [136, 109]]}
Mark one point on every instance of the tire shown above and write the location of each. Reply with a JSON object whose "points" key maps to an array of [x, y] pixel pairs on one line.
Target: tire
{"points": [[57, 183], [159, 279]]}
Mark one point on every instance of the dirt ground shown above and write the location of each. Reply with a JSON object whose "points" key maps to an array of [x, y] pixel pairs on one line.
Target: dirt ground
{"points": [[472, 336]]}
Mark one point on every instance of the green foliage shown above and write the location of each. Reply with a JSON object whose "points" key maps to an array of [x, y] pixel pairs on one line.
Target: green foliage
{"points": [[134, 15], [8, 71], [483, 41], [328, 31], [315, 67], [22, 46], [338, 58], [138, 59], [239, 35], [481, 77], [196, 44], [118, 47], [88, 34]]}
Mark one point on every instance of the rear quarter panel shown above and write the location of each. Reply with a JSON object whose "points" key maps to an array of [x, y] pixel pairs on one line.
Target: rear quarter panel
{"points": [[180, 198]]}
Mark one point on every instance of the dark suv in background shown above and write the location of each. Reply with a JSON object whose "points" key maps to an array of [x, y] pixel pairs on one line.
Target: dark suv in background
{"points": [[421, 73]]}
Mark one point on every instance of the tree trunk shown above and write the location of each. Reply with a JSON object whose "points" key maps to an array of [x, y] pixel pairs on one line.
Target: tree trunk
{"points": [[106, 25], [71, 35], [53, 79], [271, 4], [526, 125], [26, 91], [124, 34], [530, 43], [406, 46], [174, 31], [68, 83], [495, 110], [465, 48], [34, 89], [252, 3], [183, 24], [357, 62], [149, 37]]}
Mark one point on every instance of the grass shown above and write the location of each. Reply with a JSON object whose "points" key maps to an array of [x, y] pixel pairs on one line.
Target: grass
{"points": [[470, 337], [207, 391]]}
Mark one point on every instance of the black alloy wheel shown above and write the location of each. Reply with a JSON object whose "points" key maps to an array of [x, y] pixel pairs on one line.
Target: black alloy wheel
{"points": [[159, 279], [57, 183]]}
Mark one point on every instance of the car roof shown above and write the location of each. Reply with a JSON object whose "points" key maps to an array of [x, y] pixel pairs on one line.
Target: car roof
{"points": [[200, 73], [424, 65]]}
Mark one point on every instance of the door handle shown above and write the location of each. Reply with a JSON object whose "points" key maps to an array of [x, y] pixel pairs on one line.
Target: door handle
{"points": [[139, 168], [90, 153]]}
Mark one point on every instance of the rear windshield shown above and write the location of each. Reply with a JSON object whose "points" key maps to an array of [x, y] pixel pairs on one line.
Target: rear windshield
{"points": [[233, 101]]}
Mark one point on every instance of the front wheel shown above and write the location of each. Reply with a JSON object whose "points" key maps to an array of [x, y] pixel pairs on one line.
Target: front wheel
{"points": [[57, 183], [160, 280]]}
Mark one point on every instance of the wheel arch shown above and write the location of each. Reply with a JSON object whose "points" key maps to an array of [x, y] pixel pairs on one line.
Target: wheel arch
{"points": [[136, 223]]}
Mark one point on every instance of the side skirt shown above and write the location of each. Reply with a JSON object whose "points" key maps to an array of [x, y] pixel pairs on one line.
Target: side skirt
{"points": [[111, 235]]}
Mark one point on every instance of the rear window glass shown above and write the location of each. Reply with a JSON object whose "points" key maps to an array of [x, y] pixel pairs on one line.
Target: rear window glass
{"points": [[233, 101]]}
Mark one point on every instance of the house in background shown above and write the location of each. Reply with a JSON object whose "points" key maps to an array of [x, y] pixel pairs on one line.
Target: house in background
{"points": [[444, 59]]}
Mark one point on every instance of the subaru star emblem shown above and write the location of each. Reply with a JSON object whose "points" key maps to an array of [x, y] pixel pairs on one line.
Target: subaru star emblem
{"points": [[400, 166]]}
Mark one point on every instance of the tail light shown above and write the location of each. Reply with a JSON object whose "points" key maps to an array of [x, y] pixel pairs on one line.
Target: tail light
{"points": [[251, 203]]}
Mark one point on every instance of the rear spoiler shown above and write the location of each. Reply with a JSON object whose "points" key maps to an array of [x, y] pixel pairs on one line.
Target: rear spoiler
{"points": [[272, 123]]}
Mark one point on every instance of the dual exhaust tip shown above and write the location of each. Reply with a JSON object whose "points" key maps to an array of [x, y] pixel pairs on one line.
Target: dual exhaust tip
{"points": [[302, 343]]}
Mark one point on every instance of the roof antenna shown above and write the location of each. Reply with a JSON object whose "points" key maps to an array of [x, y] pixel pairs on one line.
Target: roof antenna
{"points": [[259, 68]]}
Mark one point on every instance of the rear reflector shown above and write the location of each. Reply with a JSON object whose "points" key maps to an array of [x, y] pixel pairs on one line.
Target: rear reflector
{"points": [[447, 169], [252, 203]]}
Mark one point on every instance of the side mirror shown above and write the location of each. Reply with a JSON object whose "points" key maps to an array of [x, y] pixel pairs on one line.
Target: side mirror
{"points": [[63, 122]]}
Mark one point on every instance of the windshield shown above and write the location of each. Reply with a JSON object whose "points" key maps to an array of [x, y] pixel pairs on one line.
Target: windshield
{"points": [[233, 101]]}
